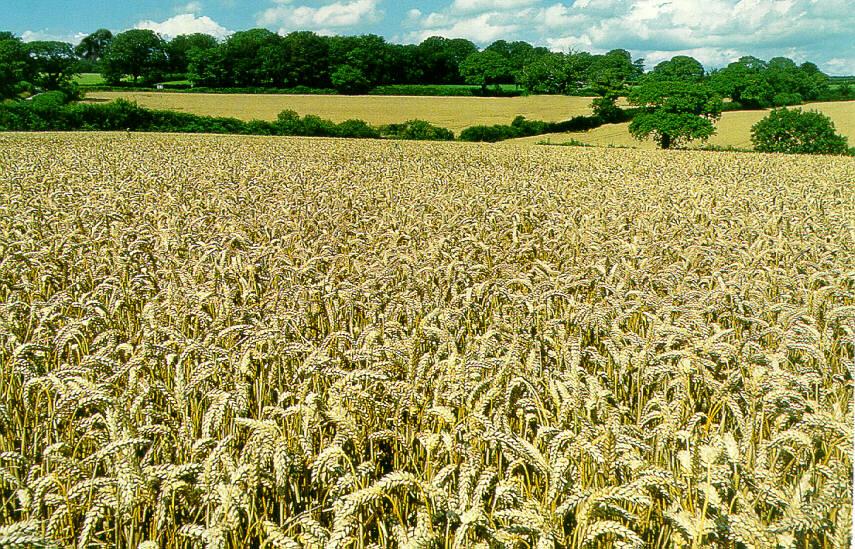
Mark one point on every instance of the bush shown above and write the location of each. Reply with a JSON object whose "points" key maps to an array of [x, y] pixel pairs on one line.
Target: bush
{"points": [[349, 80], [489, 134], [786, 99], [356, 129], [49, 100], [418, 130], [795, 131]]}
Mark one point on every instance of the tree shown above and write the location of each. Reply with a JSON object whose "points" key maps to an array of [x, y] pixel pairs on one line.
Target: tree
{"points": [[16, 67], [305, 59], [612, 70], [369, 52], [54, 63], [350, 80], [93, 47], [679, 67], [799, 132], [485, 68], [138, 53], [674, 112], [442, 58], [179, 48], [546, 74], [243, 57]]}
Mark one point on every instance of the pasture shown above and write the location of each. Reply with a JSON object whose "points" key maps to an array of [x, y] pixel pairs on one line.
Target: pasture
{"points": [[221, 341]]}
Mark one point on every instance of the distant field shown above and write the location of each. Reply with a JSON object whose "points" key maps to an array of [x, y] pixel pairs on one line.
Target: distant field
{"points": [[89, 79], [454, 113], [734, 129]]}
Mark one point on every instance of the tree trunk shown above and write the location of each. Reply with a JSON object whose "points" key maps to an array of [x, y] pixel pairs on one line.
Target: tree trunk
{"points": [[666, 141]]}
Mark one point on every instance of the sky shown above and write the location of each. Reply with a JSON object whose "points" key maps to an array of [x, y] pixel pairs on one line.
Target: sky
{"points": [[715, 32]]}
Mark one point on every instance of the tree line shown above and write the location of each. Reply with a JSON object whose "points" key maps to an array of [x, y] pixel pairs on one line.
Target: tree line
{"points": [[259, 58]]}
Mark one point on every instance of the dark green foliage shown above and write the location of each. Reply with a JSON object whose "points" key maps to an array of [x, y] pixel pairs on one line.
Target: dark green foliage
{"points": [[755, 83], [797, 132], [417, 130], [180, 49], [786, 99], [486, 68], [679, 67], [49, 100], [674, 112], [54, 64], [136, 53], [606, 108], [16, 69], [46, 112], [357, 129], [93, 47], [350, 80], [520, 127]]}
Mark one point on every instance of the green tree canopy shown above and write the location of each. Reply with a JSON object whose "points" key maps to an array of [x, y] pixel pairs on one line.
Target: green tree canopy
{"points": [[485, 68], [612, 70], [674, 112], [350, 80], [797, 131], [179, 48], [441, 58], [137, 53], [679, 67], [94, 46], [16, 67], [54, 63]]}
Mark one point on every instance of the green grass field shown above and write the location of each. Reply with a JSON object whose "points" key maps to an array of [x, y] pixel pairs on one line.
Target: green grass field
{"points": [[89, 79]]}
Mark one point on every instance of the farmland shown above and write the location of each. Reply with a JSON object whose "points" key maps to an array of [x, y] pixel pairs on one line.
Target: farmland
{"points": [[235, 341], [733, 130], [454, 113]]}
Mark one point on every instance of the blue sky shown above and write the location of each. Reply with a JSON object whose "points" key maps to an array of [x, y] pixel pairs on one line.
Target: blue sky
{"points": [[714, 31]]}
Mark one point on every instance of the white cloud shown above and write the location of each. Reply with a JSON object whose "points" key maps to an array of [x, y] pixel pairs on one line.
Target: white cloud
{"points": [[189, 7], [479, 6], [185, 23], [337, 15], [72, 38]]}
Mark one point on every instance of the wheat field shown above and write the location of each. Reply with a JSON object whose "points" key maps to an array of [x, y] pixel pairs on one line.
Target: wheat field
{"points": [[219, 341], [454, 113]]}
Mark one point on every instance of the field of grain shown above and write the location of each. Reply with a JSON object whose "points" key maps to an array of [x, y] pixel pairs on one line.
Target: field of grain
{"points": [[454, 113], [219, 341], [733, 130]]}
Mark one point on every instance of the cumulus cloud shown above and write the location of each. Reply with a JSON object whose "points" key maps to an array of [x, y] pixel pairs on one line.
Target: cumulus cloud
{"points": [[185, 23], [329, 17], [480, 6], [189, 7], [714, 31], [71, 38]]}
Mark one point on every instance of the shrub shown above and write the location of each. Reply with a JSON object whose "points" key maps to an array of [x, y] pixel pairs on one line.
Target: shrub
{"points": [[797, 131], [49, 100], [349, 80], [418, 130], [489, 134], [786, 99], [356, 129]]}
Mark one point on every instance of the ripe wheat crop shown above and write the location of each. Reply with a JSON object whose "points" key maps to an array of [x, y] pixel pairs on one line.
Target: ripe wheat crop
{"points": [[231, 341], [454, 113]]}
